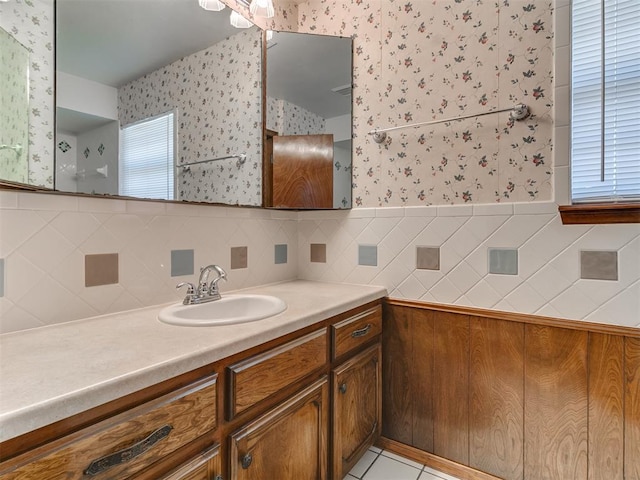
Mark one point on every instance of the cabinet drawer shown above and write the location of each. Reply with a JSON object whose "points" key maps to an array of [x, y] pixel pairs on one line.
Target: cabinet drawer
{"points": [[355, 331], [120, 446], [257, 377]]}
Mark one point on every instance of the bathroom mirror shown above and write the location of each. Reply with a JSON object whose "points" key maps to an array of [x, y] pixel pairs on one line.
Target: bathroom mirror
{"points": [[158, 100], [232, 180], [308, 121], [14, 108]]}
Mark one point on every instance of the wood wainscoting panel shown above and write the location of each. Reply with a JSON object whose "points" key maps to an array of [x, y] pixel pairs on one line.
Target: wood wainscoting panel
{"points": [[606, 407], [496, 397], [556, 406], [422, 375], [408, 376], [451, 387], [632, 409], [397, 420]]}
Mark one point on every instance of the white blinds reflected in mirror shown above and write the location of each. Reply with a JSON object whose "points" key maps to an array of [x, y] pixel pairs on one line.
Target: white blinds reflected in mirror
{"points": [[147, 158]]}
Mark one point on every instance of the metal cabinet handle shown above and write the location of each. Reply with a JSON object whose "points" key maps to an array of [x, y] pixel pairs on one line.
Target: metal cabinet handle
{"points": [[361, 332], [218, 477], [127, 454], [246, 461], [343, 388]]}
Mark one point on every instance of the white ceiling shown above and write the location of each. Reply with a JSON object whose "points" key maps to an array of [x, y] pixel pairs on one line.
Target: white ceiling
{"points": [[116, 41]]}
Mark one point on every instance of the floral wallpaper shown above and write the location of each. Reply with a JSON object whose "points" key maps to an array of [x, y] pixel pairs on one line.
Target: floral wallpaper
{"points": [[417, 61], [287, 118], [216, 93], [31, 22], [14, 109]]}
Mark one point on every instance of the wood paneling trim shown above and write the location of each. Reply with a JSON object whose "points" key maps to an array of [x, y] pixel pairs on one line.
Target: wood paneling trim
{"points": [[496, 397], [632, 332], [632, 409], [606, 407], [433, 461], [600, 214], [556, 408]]}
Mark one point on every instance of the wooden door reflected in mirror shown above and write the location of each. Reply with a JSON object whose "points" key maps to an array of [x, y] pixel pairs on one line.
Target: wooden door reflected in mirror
{"points": [[302, 171]]}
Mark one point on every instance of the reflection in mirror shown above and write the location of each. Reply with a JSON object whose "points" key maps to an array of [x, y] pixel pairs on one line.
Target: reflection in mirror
{"points": [[14, 109], [308, 98], [146, 88], [26, 93]]}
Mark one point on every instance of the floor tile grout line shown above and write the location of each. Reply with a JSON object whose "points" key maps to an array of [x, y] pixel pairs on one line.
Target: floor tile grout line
{"points": [[378, 454]]}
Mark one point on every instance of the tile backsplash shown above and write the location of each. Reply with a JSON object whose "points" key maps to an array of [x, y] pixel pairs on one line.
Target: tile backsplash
{"points": [[44, 240], [546, 279]]}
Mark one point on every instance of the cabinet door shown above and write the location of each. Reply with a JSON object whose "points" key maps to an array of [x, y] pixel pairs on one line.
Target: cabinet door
{"points": [[289, 441], [357, 413]]}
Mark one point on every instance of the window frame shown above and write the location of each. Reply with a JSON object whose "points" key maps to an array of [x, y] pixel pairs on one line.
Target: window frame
{"points": [[603, 212]]}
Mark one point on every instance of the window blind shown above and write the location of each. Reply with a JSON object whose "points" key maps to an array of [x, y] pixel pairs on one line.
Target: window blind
{"points": [[147, 158], [605, 100]]}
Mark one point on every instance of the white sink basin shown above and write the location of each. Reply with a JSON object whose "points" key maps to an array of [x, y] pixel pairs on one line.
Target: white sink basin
{"points": [[228, 310]]}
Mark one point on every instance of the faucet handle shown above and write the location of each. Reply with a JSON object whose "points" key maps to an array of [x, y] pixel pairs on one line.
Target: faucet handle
{"points": [[191, 289], [191, 292], [222, 275]]}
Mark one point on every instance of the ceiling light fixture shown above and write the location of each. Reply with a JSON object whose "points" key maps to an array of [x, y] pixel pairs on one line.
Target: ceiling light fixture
{"points": [[212, 5], [262, 8], [239, 21]]}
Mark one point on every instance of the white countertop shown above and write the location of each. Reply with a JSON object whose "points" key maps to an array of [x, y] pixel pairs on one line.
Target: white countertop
{"points": [[50, 373]]}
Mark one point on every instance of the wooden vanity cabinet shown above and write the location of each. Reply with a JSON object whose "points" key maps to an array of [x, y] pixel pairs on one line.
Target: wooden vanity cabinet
{"points": [[289, 441], [129, 444], [357, 408], [305, 406], [356, 379]]}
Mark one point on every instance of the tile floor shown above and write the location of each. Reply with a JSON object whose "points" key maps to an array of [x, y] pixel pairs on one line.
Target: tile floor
{"points": [[379, 464]]}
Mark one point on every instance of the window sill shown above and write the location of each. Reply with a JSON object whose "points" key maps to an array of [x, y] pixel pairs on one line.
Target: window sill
{"points": [[600, 214]]}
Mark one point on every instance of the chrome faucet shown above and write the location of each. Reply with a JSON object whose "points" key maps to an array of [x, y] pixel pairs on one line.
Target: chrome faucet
{"points": [[205, 292]]}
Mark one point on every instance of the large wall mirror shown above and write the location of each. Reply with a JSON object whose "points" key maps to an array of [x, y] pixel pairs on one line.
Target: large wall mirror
{"points": [[189, 85], [308, 121], [158, 99]]}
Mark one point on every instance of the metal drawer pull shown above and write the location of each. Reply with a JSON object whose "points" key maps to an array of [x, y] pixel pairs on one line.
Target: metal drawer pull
{"points": [[361, 332], [126, 454], [246, 461], [343, 388]]}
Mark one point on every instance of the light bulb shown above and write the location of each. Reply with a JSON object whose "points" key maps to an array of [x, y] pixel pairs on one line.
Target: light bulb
{"points": [[239, 21], [262, 8], [212, 5]]}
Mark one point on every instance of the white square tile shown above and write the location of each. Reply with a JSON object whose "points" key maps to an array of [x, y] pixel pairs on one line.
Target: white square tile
{"points": [[455, 210], [562, 60], [8, 199], [43, 201], [445, 292], [385, 468], [525, 299], [562, 106], [561, 146], [493, 209], [437, 474], [96, 204], [363, 464], [483, 295]]}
